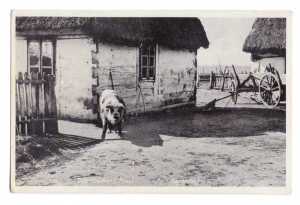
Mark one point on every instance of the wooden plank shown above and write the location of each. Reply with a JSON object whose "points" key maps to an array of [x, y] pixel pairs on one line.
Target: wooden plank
{"points": [[137, 86], [34, 97], [46, 96], [31, 81], [215, 81], [36, 120], [40, 106], [211, 80], [223, 83], [28, 95], [33, 102], [53, 99], [17, 101], [17, 108], [22, 101], [251, 89], [28, 102], [21, 95]]}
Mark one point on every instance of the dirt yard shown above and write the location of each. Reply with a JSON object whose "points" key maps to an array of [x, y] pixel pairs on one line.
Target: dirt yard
{"points": [[188, 147]]}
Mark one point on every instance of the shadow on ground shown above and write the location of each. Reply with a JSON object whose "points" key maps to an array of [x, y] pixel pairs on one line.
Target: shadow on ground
{"points": [[30, 148], [145, 130], [75, 142]]}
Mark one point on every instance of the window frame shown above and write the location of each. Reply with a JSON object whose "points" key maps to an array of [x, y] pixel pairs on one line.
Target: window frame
{"points": [[40, 41], [148, 67]]}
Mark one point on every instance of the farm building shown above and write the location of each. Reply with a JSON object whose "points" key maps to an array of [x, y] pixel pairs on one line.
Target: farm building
{"points": [[150, 62], [267, 44]]}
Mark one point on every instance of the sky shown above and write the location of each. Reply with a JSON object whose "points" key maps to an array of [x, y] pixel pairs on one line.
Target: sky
{"points": [[226, 37]]}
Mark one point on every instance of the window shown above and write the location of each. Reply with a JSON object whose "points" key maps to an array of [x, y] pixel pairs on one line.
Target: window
{"points": [[41, 56], [147, 62]]}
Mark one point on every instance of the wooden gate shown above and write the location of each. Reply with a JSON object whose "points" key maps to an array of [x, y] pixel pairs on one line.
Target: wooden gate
{"points": [[36, 110]]}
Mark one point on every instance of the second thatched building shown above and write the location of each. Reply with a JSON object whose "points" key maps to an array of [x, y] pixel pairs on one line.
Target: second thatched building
{"points": [[267, 44]]}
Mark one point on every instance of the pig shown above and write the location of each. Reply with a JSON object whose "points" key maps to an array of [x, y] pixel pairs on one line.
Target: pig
{"points": [[112, 112]]}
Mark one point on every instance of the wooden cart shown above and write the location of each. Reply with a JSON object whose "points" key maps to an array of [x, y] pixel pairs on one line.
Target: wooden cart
{"points": [[269, 86]]}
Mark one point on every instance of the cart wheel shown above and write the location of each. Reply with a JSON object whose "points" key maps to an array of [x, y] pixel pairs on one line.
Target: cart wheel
{"points": [[233, 87], [270, 90]]}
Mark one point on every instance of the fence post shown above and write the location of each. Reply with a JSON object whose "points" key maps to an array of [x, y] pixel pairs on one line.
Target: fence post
{"points": [[211, 79], [53, 104], [223, 78], [50, 106]]}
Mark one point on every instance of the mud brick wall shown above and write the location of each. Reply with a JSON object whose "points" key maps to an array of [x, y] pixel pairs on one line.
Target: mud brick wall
{"points": [[74, 77], [121, 61]]}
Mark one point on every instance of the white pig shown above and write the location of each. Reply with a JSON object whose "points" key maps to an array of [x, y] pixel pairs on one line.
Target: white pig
{"points": [[112, 111]]}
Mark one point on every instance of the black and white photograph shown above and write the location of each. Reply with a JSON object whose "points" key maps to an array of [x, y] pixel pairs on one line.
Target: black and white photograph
{"points": [[194, 102]]}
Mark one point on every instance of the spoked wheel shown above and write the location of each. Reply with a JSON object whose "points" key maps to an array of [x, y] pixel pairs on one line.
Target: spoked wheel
{"points": [[270, 90], [233, 87]]}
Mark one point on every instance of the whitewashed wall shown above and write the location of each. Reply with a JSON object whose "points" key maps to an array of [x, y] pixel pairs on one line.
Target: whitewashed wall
{"points": [[175, 80], [21, 54], [74, 78], [174, 83], [177, 73], [82, 73], [276, 62], [121, 61]]}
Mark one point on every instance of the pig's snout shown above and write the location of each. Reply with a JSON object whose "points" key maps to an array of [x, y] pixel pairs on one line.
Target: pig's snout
{"points": [[116, 116]]}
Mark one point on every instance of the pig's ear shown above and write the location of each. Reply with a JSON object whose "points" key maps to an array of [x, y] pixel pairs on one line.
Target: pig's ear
{"points": [[122, 106]]}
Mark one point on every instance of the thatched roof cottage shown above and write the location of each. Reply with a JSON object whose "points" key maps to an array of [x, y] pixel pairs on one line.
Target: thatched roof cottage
{"points": [[151, 62], [267, 44]]}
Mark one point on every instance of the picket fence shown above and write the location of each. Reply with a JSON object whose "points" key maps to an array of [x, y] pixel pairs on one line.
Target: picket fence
{"points": [[36, 110]]}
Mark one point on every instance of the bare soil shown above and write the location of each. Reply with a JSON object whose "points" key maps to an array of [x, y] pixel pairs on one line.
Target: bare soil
{"points": [[187, 147]]}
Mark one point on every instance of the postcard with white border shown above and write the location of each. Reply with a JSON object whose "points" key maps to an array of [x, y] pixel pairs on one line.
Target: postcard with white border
{"points": [[151, 102]]}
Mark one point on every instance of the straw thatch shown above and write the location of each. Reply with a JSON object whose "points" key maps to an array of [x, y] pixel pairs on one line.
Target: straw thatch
{"points": [[268, 36], [172, 32], [50, 23]]}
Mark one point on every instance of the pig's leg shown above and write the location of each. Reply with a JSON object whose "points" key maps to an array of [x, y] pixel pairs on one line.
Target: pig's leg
{"points": [[104, 129], [120, 129], [110, 127]]}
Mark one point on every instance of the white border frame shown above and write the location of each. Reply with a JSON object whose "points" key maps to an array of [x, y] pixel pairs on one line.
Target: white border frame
{"points": [[173, 190]]}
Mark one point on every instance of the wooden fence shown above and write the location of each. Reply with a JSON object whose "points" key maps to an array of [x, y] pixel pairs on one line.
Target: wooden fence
{"points": [[203, 79], [36, 110], [219, 81], [215, 80]]}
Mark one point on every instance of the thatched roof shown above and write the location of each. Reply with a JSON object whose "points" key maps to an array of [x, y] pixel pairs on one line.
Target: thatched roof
{"points": [[172, 32], [48, 23], [268, 36]]}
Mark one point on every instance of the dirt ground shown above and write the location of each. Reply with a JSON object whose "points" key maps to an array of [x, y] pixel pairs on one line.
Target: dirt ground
{"points": [[187, 147]]}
